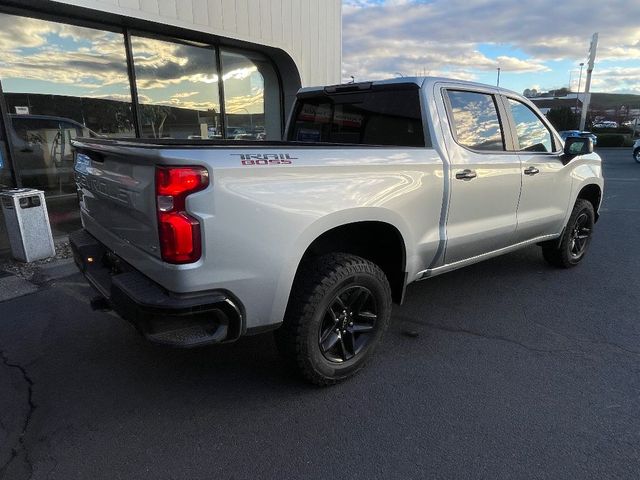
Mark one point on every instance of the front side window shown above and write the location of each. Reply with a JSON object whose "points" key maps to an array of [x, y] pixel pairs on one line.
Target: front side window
{"points": [[475, 120], [374, 117], [177, 89], [533, 135]]}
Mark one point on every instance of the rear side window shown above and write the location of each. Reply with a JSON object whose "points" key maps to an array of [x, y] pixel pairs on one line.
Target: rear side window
{"points": [[373, 117], [475, 121], [533, 135]]}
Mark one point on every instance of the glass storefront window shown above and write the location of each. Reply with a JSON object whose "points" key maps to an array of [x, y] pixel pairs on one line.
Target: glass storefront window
{"points": [[252, 97], [60, 81], [177, 89]]}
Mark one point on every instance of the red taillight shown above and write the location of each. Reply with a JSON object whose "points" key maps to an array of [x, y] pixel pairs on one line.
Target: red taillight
{"points": [[179, 232]]}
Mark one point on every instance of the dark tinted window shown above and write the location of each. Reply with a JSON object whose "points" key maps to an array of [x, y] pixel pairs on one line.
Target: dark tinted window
{"points": [[475, 120], [533, 135], [372, 117]]}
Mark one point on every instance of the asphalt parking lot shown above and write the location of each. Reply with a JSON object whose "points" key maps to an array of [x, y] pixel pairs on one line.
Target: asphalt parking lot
{"points": [[519, 370]]}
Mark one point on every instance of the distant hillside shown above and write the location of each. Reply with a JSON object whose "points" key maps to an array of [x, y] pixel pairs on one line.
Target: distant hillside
{"points": [[605, 101], [599, 102]]}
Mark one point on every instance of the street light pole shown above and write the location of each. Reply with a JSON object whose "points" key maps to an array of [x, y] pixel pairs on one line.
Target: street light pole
{"points": [[579, 85], [570, 75], [587, 87], [498, 82]]}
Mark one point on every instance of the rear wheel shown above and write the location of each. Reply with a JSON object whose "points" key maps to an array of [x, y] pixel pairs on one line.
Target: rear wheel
{"points": [[338, 312], [576, 238], [636, 154]]}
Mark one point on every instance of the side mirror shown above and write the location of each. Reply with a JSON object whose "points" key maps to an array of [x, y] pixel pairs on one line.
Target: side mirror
{"points": [[574, 146]]}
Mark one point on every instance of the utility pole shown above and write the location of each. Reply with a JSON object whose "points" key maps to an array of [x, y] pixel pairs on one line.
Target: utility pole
{"points": [[587, 87], [578, 92], [498, 82]]}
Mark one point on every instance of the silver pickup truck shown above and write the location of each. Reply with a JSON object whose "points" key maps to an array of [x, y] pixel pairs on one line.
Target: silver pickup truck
{"points": [[377, 185]]}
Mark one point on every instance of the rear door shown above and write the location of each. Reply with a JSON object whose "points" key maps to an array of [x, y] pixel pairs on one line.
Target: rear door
{"points": [[546, 183], [485, 176]]}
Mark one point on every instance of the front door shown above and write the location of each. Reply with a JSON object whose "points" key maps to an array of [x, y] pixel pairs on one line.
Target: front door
{"points": [[485, 177], [546, 183]]}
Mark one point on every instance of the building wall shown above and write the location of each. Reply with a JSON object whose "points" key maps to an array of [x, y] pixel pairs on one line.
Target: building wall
{"points": [[310, 31]]}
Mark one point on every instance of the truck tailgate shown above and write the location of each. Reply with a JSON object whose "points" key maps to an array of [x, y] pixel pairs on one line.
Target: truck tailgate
{"points": [[118, 194]]}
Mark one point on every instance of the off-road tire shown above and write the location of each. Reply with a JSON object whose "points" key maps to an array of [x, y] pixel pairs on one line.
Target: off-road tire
{"points": [[560, 254], [636, 155], [317, 284]]}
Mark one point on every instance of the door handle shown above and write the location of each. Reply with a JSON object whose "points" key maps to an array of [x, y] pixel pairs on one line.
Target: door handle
{"points": [[531, 171], [466, 174]]}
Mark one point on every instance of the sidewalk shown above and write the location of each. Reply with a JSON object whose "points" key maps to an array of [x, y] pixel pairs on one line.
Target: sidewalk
{"points": [[19, 278]]}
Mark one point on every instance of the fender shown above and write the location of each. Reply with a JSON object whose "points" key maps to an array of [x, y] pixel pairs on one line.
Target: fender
{"points": [[329, 222], [587, 171]]}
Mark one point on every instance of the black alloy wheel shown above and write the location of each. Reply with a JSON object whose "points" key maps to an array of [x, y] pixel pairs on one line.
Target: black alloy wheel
{"points": [[348, 325], [572, 247], [580, 236]]}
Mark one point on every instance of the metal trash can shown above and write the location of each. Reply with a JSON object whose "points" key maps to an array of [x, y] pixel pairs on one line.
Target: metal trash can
{"points": [[27, 222]]}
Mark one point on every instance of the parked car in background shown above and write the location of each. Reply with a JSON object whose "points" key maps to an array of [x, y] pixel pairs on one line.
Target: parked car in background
{"points": [[43, 152], [606, 124], [245, 136], [636, 150], [577, 133]]}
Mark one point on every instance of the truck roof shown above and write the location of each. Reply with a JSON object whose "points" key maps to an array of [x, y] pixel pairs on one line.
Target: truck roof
{"points": [[419, 81]]}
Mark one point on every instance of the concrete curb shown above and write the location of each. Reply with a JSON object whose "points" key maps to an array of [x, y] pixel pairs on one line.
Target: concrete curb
{"points": [[54, 271]]}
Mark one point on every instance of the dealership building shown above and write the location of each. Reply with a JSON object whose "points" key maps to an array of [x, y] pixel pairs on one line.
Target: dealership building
{"points": [[185, 69]]}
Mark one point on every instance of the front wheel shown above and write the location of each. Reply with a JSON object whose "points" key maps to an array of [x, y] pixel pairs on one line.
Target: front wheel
{"points": [[338, 312], [575, 239], [636, 155]]}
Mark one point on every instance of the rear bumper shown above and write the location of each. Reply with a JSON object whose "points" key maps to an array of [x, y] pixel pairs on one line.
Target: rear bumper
{"points": [[161, 316]]}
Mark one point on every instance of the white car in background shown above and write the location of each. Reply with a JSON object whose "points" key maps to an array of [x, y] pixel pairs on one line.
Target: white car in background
{"points": [[606, 124]]}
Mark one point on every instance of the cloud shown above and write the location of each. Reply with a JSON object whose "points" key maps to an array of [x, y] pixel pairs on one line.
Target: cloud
{"points": [[617, 80], [381, 38]]}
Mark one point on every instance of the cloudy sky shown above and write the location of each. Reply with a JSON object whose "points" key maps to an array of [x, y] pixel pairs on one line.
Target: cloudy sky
{"points": [[537, 44]]}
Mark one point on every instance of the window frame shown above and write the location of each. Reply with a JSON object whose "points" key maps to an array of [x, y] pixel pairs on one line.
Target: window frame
{"points": [[505, 127], [133, 79], [557, 143]]}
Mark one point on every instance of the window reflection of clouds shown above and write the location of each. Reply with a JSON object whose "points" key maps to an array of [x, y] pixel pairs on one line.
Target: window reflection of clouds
{"points": [[532, 134], [476, 120], [37, 56], [243, 84], [175, 75]]}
